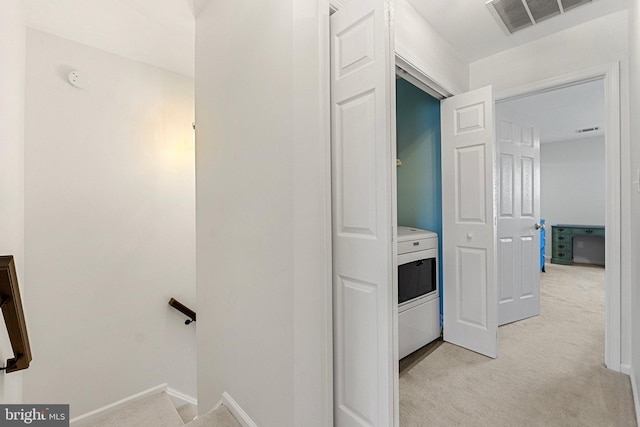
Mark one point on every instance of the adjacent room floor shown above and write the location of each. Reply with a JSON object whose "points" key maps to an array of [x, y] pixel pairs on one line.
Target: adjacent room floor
{"points": [[550, 371]]}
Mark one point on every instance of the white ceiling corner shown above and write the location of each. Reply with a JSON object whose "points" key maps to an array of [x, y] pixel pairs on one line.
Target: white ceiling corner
{"points": [[196, 6]]}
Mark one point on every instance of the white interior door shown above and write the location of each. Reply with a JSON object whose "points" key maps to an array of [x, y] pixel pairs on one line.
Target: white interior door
{"points": [[518, 217], [470, 306], [363, 206]]}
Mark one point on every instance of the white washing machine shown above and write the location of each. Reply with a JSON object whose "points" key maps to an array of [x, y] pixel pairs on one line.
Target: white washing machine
{"points": [[418, 289]]}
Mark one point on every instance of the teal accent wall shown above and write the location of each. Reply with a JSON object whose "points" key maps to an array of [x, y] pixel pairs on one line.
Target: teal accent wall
{"points": [[418, 147]]}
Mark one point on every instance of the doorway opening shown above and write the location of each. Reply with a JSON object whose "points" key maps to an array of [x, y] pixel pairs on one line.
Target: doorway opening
{"points": [[571, 123], [607, 77], [600, 149]]}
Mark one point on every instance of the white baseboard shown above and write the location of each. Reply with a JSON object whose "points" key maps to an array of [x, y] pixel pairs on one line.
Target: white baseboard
{"points": [[626, 369], [179, 398], [239, 414], [112, 407], [634, 388]]}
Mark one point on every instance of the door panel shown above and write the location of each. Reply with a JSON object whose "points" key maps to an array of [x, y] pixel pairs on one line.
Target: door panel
{"points": [[526, 167], [468, 230], [472, 282], [359, 312], [355, 146], [506, 262], [364, 276], [470, 183], [530, 250], [519, 210], [506, 183]]}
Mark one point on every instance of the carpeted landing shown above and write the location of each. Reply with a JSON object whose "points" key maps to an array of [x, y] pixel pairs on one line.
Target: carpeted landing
{"points": [[158, 411], [550, 371]]}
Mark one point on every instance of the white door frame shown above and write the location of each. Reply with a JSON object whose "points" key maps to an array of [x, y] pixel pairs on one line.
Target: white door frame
{"points": [[610, 73]]}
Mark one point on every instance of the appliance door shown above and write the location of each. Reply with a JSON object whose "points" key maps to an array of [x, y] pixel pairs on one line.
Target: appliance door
{"points": [[417, 275]]}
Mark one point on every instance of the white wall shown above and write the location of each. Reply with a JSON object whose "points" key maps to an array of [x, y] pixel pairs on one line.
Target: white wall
{"points": [[263, 230], [311, 169], [599, 42], [12, 58], [634, 62], [110, 226], [417, 40], [572, 191]]}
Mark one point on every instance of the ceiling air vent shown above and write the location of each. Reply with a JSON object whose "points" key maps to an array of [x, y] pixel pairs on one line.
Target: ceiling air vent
{"points": [[515, 15], [593, 129]]}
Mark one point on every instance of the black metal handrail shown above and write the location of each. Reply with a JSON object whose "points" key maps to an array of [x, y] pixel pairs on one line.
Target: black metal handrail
{"points": [[13, 314], [184, 310]]}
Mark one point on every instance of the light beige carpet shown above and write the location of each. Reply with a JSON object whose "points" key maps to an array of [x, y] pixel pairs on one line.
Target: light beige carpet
{"points": [[158, 411], [550, 371], [153, 411], [187, 412], [220, 417]]}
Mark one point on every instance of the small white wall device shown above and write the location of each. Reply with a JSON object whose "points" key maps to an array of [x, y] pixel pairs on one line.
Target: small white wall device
{"points": [[78, 79]]}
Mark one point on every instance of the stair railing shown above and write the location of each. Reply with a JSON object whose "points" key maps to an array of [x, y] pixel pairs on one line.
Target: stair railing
{"points": [[184, 310], [13, 314]]}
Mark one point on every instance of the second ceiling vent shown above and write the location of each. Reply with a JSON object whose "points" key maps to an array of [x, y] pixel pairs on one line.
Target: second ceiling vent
{"points": [[518, 14]]}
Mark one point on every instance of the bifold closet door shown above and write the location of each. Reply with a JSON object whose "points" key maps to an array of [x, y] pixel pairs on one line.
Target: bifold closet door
{"points": [[362, 93], [470, 303]]}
